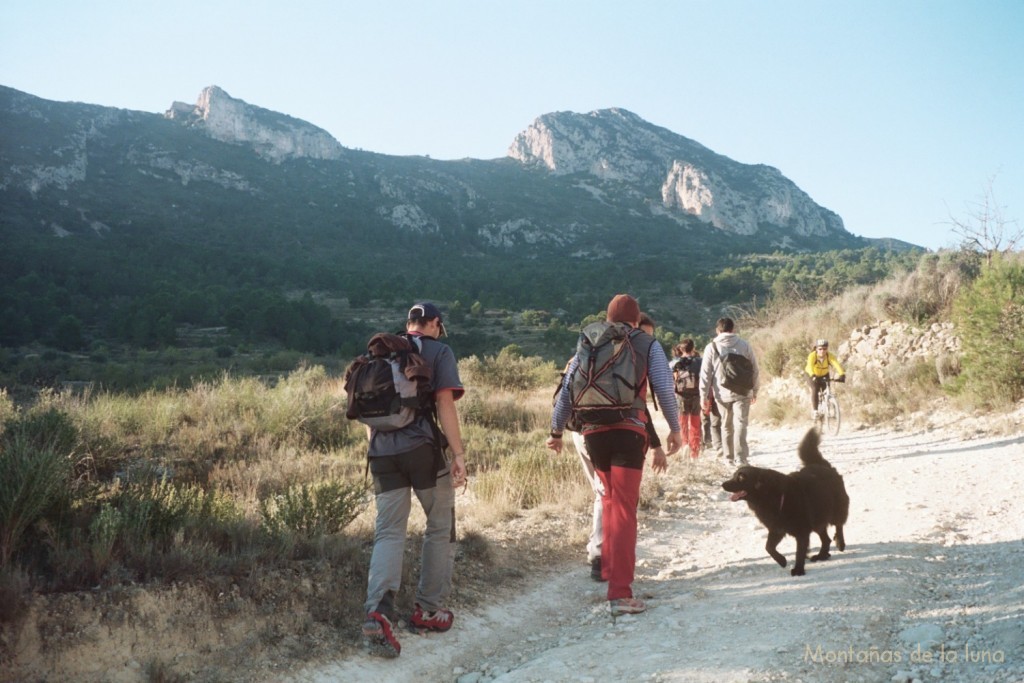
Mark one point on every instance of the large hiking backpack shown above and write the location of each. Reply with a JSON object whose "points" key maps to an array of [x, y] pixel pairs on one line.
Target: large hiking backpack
{"points": [[737, 372], [607, 384], [687, 375], [388, 386]]}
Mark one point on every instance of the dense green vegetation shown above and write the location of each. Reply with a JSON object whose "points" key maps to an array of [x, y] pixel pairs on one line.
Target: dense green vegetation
{"points": [[71, 313], [143, 236], [800, 277], [151, 232], [990, 316]]}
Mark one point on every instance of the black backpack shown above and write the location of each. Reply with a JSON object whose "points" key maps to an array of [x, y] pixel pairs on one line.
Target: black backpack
{"points": [[387, 386], [687, 376], [607, 384], [737, 372]]}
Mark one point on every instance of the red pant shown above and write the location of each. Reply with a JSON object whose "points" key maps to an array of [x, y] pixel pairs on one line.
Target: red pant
{"points": [[618, 515], [692, 434], [618, 458]]}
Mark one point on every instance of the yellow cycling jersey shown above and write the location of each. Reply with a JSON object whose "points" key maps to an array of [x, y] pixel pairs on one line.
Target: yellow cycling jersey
{"points": [[819, 368]]}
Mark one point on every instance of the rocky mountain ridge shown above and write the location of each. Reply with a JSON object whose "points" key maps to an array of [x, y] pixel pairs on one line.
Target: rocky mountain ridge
{"points": [[617, 145], [273, 136], [222, 197], [585, 164]]}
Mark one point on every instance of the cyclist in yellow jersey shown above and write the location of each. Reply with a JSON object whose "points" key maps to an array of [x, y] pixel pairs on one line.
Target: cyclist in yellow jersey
{"points": [[819, 363]]}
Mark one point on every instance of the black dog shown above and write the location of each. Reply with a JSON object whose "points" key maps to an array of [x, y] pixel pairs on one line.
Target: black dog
{"points": [[797, 503]]}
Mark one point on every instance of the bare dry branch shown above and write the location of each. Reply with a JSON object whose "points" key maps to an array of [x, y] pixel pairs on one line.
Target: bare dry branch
{"points": [[985, 229]]}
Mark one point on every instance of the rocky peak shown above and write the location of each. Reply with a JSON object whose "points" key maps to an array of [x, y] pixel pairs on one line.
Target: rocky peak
{"points": [[272, 135], [676, 174]]}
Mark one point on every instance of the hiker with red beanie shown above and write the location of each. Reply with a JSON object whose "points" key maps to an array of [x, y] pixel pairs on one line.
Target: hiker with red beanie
{"points": [[606, 385]]}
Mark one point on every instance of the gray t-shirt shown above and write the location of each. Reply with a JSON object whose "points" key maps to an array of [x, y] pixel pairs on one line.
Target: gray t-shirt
{"points": [[445, 376]]}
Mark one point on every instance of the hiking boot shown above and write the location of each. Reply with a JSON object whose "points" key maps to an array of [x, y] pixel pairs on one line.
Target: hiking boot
{"points": [[379, 638], [439, 620], [595, 569], [626, 606]]}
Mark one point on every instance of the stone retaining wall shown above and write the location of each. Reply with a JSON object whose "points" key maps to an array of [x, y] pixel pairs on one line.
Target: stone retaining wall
{"points": [[876, 347]]}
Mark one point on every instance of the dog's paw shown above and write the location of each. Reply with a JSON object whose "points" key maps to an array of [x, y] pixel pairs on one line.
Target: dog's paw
{"points": [[841, 545], [797, 571], [780, 559], [821, 556]]}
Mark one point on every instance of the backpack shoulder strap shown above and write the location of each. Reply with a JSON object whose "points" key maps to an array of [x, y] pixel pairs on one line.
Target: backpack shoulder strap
{"points": [[644, 349], [415, 341]]}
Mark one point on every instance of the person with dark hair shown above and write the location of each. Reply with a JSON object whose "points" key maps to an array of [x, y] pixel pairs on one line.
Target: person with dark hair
{"points": [[686, 373], [617, 440], [733, 404], [412, 460]]}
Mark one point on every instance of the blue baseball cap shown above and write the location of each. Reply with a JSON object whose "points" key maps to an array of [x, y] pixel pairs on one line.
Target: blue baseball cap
{"points": [[427, 311]]}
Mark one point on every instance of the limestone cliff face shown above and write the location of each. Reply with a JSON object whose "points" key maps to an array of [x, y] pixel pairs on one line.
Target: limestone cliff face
{"points": [[274, 136], [675, 173], [572, 183]]}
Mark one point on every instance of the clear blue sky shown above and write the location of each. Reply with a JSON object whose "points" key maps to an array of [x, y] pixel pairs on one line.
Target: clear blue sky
{"points": [[895, 114]]}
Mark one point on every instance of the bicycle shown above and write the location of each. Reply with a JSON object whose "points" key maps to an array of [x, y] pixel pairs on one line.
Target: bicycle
{"points": [[829, 415]]}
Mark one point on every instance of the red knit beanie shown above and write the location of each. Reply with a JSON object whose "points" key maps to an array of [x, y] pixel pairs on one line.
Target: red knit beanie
{"points": [[623, 309]]}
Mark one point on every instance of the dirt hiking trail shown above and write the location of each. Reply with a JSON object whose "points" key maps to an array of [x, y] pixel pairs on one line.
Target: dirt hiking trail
{"points": [[930, 587]]}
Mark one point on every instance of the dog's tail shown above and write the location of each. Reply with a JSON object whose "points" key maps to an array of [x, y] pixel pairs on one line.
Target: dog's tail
{"points": [[809, 453]]}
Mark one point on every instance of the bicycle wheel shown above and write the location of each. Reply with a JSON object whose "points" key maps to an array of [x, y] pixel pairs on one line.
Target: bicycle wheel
{"points": [[832, 416]]}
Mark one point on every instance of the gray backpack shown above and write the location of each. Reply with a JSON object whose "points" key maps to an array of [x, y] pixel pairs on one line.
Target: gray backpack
{"points": [[607, 384]]}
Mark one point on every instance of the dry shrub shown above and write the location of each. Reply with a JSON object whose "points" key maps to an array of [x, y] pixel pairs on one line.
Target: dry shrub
{"points": [[7, 409], [179, 477], [533, 476], [501, 412], [777, 411], [14, 590], [508, 371], [923, 295], [775, 358], [904, 389], [947, 367]]}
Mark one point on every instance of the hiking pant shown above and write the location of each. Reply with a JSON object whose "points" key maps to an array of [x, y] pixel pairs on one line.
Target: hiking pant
{"points": [[713, 429], [690, 424], [618, 457], [735, 415], [394, 478], [816, 383], [596, 530]]}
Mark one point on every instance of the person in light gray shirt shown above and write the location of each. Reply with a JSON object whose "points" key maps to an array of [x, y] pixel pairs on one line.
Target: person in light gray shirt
{"points": [[733, 407]]}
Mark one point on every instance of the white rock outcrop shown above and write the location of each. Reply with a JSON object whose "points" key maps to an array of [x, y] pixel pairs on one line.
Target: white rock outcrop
{"points": [[615, 145], [273, 136]]}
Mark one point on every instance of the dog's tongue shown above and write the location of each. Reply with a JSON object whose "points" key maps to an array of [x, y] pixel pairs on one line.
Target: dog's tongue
{"points": [[739, 495]]}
